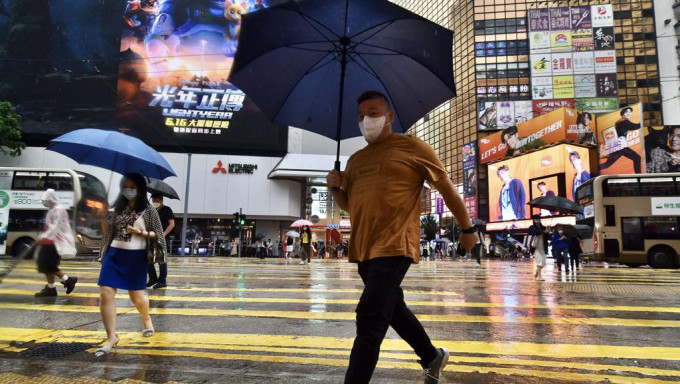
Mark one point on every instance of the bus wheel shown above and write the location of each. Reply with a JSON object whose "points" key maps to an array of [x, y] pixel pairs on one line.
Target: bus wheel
{"points": [[634, 265], [661, 256], [20, 245]]}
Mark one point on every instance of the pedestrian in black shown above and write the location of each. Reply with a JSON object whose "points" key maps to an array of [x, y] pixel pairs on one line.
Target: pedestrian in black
{"points": [[575, 252], [168, 223]]}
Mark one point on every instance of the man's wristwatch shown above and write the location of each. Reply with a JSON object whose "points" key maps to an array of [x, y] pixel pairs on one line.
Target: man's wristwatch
{"points": [[468, 230]]}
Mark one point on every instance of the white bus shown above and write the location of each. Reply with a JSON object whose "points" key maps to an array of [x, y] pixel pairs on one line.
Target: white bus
{"points": [[22, 215], [635, 218]]}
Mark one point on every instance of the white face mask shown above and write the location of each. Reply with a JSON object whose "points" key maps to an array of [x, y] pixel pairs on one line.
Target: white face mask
{"points": [[560, 232], [371, 127], [129, 193], [156, 205]]}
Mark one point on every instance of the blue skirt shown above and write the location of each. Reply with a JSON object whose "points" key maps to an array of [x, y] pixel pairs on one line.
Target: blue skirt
{"points": [[124, 269]]}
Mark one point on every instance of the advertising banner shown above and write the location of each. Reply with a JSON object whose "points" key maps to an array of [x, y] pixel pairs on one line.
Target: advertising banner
{"points": [[540, 41], [665, 206], [503, 114], [31, 199], [606, 85], [562, 64], [563, 87], [585, 47], [539, 20], [560, 18], [514, 182], [320, 201], [597, 104], [580, 17], [602, 15], [172, 88], [621, 147], [470, 179], [582, 39], [523, 111], [584, 62], [538, 132], [5, 201], [560, 41], [541, 107], [584, 87], [541, 88], [662, 149], [605, 61], [541, 64]]}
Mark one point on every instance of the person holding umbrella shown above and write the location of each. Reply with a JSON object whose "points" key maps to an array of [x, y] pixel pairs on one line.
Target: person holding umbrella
{"points": [[381, 188], [168, 222], [56, 242], [127, 233], [538, 244]]}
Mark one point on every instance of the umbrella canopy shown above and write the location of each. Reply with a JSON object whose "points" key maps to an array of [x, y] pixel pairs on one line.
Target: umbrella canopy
{"points": [[301, 223], [585, 231], [292, 234], [346, 45], [113, 151], [476, 222], [158, 186], [556, 203]]}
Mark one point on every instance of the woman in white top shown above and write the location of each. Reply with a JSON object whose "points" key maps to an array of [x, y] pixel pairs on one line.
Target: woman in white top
{"points": [[133, 224]]}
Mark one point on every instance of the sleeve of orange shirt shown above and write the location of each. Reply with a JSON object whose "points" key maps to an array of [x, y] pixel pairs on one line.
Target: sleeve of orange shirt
{"points": [[428, 163]]}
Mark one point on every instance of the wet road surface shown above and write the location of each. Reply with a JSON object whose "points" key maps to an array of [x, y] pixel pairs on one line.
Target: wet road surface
{"points": [[250, 321]]}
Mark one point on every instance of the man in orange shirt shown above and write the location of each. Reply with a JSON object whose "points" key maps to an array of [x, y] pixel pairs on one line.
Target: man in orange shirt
{"points": [[381, 188]]}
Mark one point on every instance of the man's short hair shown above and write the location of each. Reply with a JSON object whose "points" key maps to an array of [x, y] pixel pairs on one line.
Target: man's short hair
{"points": [[508, 131], [540, 183], [371, 95], [157, 195], [502, 168], [626, 109], [574, 155]]}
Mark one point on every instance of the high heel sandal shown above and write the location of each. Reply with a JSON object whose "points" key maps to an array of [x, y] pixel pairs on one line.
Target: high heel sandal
{"points": [[104, 351], [148, 332]]}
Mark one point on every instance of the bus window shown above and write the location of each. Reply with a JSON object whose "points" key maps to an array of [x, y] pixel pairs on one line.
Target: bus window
{"points": [[26, 220], [657, 186], [621, 187], [41, 181], [610, 216], [631, 234], [661, 227]]}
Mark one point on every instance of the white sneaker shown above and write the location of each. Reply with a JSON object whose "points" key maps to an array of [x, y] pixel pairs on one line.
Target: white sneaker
{"points": [[302, 262], [478, 265]]}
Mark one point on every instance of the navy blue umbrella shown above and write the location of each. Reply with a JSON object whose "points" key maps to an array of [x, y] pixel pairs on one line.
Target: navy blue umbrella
{"points": [[113, 151], [304, 63]]}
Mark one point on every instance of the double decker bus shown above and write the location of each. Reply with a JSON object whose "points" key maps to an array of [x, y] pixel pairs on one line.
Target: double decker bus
{"points": [[635, 218], [22, 215]]}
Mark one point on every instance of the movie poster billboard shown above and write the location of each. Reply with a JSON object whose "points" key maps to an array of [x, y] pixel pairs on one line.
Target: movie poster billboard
{"points": [[550, 128], [514, 182], [620, 137], [662, 149], [172, 89], [470, 179]]}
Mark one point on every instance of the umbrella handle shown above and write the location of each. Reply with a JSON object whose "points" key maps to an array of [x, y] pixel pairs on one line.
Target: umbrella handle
{"points": [[337, 168]]}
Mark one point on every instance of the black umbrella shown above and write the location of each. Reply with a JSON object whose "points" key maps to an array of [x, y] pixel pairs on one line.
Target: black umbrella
{"points": [[556, 203], [476, 222], [584, 231], [158, 186], [304, 63]]}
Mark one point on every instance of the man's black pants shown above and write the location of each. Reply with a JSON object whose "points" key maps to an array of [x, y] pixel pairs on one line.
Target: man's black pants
{"points": [[382, 305]]}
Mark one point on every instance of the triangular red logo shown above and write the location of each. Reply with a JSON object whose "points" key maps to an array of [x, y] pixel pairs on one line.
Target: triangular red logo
{"points": [[219, 168]]}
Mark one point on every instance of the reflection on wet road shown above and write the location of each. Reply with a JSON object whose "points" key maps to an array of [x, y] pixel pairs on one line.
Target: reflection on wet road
{"points": [[252, 321]]}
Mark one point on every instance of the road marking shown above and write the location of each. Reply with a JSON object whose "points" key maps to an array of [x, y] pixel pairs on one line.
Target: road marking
{"points": [[321, 300], [351, 316]]}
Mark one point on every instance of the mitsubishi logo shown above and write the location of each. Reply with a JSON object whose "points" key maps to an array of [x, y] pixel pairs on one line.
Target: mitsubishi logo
{"points": [[219, 168]]}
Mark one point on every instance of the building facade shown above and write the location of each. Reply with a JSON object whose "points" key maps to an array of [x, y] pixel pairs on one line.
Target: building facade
{"points": [[492, 64]]}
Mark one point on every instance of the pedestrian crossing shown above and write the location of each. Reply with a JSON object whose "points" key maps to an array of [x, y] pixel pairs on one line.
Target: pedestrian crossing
{"points": [[297, 322]]}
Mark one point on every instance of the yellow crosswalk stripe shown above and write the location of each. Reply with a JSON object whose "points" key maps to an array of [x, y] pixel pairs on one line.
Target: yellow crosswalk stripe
{"points": [[217, 340], [322, 300], [350, 316]]}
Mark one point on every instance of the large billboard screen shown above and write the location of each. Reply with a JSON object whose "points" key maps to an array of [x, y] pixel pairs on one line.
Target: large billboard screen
{"points": [[553, 127], [662, 149], [621, 144], [514, 182], [470, 178], [573, 58], [172, 88]]}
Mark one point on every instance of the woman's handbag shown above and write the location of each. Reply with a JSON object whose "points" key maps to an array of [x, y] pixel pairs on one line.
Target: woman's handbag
{"points": [[535, 242], [155, 252]]}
